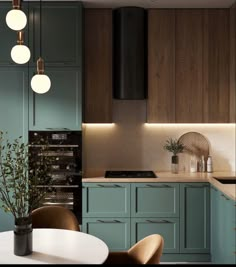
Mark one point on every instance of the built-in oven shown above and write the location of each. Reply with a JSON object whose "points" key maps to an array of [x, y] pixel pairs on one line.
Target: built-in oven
{"points": [[65, 152]]}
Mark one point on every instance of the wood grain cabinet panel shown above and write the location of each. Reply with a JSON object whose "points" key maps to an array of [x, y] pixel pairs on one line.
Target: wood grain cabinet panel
{"points": [[161, 66], [98, 66], [232, 96], [216, 66], [188, 66]]}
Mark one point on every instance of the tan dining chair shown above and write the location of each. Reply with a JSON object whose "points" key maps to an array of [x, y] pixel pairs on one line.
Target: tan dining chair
{"points": [[147, 251], [54, 217]]}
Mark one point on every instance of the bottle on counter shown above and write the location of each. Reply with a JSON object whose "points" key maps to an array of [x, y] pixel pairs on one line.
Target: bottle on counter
{"points": [[209, 164], [203, 164], [193, 164]]}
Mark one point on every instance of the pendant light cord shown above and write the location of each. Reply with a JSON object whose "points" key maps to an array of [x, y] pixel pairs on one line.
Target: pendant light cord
{"points": [[40, 31]]}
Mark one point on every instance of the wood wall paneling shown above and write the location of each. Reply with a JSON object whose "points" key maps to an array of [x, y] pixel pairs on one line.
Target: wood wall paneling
{"points": [[232, 99], [188, 66], [98, 66], [216, 53], [161, 66]]}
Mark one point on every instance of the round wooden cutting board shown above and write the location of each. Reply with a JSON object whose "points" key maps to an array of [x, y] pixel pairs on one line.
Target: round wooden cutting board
{"points": [[196, 145]]}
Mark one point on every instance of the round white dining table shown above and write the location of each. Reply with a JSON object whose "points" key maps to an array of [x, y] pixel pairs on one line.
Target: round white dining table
{"points": [[56, 246]]}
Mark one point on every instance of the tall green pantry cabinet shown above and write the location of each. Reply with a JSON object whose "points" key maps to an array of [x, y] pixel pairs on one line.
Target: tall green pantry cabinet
{"points": [[21, 109]]}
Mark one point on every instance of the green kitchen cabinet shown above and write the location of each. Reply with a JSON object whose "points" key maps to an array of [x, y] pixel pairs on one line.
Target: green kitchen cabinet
{"points": [[13, 115], [195, 218], [61, 33], [106, 200], [8, 36], [223, 234], [167, 227], [61, 107], [115, 232], [13, 102], [155, 199]]}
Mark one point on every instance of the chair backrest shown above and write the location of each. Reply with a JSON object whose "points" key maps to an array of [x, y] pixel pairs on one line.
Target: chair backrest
{"points": [[54, 217], [148, 250]]}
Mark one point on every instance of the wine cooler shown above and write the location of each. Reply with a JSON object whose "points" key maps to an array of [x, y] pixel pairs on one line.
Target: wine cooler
{"points": [[64, 149]]}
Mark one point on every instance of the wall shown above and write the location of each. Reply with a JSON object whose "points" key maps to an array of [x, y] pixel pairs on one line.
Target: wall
{"points": [[130, 143]]}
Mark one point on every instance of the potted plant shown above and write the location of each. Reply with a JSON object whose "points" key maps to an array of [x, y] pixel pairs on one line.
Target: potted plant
{"points": [[176, 147], [21, 174]]}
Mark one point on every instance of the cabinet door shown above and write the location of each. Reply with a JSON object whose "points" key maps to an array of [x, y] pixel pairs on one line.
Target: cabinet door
{"points": [[8, 36], [230, 230], [216, 66], [161, 67], [60, 108], [98, 66], [188, 66], [115, 232], [166, 227], [13, 115], [195, 218], [214, 224], [61, 33], [155, 200], [106, 200]]}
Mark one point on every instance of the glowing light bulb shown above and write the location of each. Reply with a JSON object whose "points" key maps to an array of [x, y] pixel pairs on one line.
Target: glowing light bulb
{"points": [[20, 54], [40, 83], [16, 19]]}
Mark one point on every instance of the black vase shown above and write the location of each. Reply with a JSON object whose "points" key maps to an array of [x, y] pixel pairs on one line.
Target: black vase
{"points": [[23, 234]]}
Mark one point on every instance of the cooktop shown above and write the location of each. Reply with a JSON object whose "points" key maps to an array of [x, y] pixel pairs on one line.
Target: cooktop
{"points": [[130, 174]]}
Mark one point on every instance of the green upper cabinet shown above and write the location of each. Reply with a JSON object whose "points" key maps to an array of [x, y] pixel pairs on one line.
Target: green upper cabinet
{"points": [[195, 218], [60, 108], [8, 36], [61, 33], [155, 199]]}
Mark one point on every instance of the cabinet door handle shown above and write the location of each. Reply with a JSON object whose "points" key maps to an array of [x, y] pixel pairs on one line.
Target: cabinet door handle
{"points": [[197, 186], [158, 186], [57, 129], [224, 197], [108, 186], [112, 221], [161, 221]]}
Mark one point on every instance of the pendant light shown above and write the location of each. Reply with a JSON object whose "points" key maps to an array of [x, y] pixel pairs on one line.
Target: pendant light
{"points": [[20, 53], [40, 82], [16, 18]]}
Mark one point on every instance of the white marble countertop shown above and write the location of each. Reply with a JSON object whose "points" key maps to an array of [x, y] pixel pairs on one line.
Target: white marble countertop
{"points": [[164, 177]]}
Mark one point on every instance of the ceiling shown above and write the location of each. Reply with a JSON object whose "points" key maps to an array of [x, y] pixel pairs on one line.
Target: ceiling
{"points": [[152, 3]]}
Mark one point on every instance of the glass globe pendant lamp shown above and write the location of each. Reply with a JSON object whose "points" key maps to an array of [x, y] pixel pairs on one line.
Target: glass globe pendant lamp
{"points": [[16, 18], [40, 83], [20, 53]]}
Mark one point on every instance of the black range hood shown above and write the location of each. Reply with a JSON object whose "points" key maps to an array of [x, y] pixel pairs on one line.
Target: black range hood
{"points": [[129, 53]]}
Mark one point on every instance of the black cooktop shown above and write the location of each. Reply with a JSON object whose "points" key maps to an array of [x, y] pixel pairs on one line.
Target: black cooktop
{"points": [[130, 174]]}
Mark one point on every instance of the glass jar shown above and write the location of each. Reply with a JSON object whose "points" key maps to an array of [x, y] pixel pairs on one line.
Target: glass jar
{"points": [[174, 164]]}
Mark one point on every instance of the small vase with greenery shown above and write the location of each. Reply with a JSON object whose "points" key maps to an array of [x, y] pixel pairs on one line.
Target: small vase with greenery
{"points": [[21, 174], [176, 147]]}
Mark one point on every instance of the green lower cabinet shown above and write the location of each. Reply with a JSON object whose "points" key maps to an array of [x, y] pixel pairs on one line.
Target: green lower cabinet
{"points": [[155, 200], [223, 234], [106, 200], [195, 218], [115, 232], [167, 227]]}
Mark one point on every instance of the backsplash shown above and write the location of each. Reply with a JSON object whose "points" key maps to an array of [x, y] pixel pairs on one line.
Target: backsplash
{"points": [[130, 143]]}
